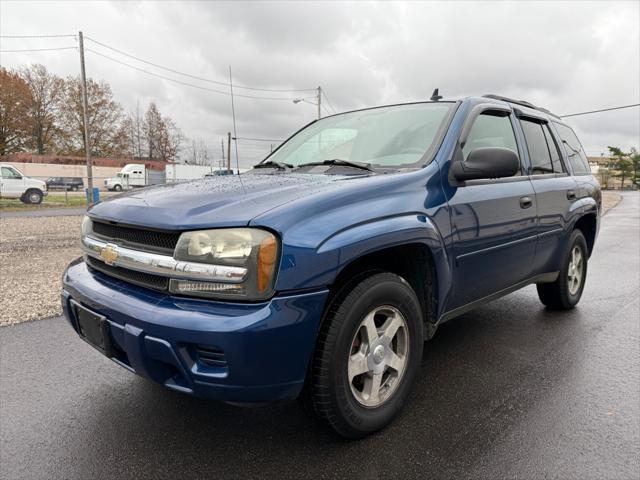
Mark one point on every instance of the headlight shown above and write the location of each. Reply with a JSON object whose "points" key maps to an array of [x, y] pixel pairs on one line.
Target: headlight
{"points": [[86, 226], [254, 249]]}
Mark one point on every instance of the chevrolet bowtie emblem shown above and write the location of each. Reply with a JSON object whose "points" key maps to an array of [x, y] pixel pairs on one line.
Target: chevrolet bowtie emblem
{"points": [[109, 254]]}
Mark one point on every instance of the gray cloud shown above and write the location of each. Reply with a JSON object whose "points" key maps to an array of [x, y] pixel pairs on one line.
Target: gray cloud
{"points": [[567, 56]]}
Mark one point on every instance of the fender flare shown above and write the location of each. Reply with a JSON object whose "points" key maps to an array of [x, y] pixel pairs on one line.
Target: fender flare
{"points": [[581, 207], [378, 234]]}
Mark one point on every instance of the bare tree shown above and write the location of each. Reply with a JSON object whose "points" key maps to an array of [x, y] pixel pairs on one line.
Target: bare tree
{"points": [[152, 128], [15, 99], [137, 132], [169, 140], [46, 93], [198, 153], [163, 137], [106, 132]]}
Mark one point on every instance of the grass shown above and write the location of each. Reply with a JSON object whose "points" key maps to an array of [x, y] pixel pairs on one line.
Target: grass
{"points": [[50, 201]]}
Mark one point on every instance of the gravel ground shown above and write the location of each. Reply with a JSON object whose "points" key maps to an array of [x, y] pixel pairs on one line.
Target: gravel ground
{"points": [[35, 251], [33, 255]]}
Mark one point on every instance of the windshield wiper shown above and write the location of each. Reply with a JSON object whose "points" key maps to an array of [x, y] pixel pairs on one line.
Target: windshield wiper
{"points": [[341, 163], [272, 164]]}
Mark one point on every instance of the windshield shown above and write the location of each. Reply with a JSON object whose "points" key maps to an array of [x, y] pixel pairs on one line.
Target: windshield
{"points": [[387, 137]]}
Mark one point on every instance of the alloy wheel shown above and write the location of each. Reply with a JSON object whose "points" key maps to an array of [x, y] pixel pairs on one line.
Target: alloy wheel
{"points": [[576, 267], [378, 356]]}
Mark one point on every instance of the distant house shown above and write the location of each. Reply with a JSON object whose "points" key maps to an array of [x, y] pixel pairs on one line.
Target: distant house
{"points": [[597, 162]]}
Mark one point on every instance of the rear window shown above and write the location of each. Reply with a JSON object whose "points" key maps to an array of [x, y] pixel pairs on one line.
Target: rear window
{"points": [[573, 148], [543, 151]]}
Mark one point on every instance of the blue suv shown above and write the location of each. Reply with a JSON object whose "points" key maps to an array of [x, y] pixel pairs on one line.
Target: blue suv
{"points": [[320, 273]]}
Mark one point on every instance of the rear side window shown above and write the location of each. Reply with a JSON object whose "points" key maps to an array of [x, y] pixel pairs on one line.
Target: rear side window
{"points": [[490, 131], [543, 151], [575, 152], [556, 158]]}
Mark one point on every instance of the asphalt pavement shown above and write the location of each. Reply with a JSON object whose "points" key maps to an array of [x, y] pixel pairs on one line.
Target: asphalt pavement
{"points": [[509, 390]]}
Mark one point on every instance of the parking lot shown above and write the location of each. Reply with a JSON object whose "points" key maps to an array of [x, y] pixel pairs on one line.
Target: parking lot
{"points": [[507, 391]]}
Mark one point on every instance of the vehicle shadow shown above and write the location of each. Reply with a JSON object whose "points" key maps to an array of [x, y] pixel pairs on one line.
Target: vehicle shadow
{"points": [[480, 373]]}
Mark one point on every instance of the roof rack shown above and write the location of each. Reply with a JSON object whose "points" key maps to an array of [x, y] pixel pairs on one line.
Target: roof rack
{"points": [[520, 102]]}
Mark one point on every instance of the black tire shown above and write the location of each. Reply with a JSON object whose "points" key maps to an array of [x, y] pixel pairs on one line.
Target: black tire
{"points": [[329, 388], [558, 295], [33, 197], [118, 188], [74, 188]]}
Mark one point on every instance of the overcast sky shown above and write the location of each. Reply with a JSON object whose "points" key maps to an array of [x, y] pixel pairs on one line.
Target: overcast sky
{"points": [[567, 56]]}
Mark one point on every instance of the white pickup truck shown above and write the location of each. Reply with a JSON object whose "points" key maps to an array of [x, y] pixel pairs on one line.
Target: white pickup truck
{"points": [[13, 184]]}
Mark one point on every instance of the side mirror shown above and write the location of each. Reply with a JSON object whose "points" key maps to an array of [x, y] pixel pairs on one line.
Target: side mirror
{"points": [[485, 163]]}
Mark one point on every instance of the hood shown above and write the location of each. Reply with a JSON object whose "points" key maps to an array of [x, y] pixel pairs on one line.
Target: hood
{"points": [[212, 202], [35, 182]]}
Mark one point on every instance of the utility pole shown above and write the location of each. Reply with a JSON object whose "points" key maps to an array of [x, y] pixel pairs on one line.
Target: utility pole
{"points": [[319, 102], [229, 151], [85, 115]]}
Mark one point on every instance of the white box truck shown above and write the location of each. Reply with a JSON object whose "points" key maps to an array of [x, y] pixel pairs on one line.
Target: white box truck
{"points": [[134, 175], [180, 172]]}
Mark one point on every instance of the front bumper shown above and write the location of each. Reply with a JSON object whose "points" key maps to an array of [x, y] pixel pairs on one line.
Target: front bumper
{"points": [[264, 348]]}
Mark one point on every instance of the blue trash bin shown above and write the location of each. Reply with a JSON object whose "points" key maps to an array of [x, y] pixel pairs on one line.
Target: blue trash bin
{"points": [[96, 195]]}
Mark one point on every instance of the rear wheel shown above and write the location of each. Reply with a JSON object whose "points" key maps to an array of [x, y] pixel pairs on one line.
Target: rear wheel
{"points": [[368, 354], [565, 292]]}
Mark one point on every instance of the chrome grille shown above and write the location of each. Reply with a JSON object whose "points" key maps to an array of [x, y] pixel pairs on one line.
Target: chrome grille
{"points": [[149, 239], [155, 282]]}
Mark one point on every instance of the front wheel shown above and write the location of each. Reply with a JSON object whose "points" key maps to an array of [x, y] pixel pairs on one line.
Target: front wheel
{"points": [[565, 292], [33, 196], [368, 354], [117, 188]]}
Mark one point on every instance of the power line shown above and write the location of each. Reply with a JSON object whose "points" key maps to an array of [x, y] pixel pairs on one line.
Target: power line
{"points": [[36, 36], [328, 101], [233, 113], [260, 139], [38, 49], [180, 81], [195, 77], [601, 110]]}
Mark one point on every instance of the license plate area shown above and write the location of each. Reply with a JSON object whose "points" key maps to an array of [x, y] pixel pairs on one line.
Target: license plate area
{"points": [[93, 328]]}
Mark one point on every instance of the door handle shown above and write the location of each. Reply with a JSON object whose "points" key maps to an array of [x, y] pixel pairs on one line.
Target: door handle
{"points": [[571, 194], [526, 202]]}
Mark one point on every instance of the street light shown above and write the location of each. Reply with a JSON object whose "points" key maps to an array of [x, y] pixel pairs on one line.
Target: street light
{"points": [[318, 103]]}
